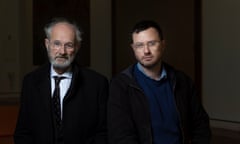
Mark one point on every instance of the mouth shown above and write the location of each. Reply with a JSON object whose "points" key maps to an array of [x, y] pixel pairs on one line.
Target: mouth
{"points": [[61, 58], [147, 58]]}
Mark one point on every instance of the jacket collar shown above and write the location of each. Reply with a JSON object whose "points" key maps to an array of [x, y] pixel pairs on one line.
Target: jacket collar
{"points": [[129, 72], [44, 81]]}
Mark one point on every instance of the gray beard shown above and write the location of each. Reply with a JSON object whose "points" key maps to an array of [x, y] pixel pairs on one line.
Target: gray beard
{"points": [[64, 65]]}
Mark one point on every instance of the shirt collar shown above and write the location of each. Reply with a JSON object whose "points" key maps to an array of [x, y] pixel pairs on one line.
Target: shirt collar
{"points": [[162, 75], [67, 74]]}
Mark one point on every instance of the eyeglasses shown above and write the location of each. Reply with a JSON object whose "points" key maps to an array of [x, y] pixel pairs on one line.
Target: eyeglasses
{"points": [[141, 45], [57, 45]]}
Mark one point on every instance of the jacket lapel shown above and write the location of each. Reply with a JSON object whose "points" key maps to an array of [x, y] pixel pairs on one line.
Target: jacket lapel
{"points": [[75, 83], [44, 88]]}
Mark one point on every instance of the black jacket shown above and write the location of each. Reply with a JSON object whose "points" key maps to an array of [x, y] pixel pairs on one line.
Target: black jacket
{"points": [[129, 115], [84, 109]]}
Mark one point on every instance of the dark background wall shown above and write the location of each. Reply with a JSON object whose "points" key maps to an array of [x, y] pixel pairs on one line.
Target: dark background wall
{"points": [[220, 60]]}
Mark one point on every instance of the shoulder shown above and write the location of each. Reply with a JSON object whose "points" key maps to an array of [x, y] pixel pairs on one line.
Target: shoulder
{"points": [[175, 72], [124, 78], [90, 77], [38, 73], [181, 80], [121, 78], [91, 74], [178, 75]]}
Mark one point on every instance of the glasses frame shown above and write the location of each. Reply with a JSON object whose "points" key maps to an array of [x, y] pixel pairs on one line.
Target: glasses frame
{"points": [[149, 44], [58, 44]]}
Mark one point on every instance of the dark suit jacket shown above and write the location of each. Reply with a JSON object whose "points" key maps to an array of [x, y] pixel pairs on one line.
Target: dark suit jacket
{"points": [[84, 109]]}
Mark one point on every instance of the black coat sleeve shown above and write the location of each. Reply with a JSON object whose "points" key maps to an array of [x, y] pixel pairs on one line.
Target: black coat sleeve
{"points": [[101, 131], [194, 119], [201, 133], [22, 134]]}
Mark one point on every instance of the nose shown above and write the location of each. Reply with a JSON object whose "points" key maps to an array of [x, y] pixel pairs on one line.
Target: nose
{"points": [[146, 49], [62, 50]]}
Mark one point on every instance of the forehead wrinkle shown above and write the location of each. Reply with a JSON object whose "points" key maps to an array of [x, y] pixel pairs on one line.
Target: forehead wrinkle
{"points": [[63, 32]]}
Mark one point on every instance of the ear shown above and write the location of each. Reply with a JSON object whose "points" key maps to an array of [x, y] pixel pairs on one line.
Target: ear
{"points": [[78, 46], [163, 43], [47, 43], [132, 46]]}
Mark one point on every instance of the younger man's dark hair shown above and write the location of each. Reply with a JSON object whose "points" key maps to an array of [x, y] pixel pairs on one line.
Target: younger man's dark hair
{"points": [[145, 24]]}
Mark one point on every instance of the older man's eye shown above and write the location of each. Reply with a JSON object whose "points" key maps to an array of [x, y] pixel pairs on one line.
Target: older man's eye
{"points": [[57, 44], [69, 45]]}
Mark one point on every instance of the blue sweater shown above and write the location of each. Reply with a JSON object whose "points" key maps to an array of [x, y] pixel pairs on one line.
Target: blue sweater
{"points": [[164, 116]]}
